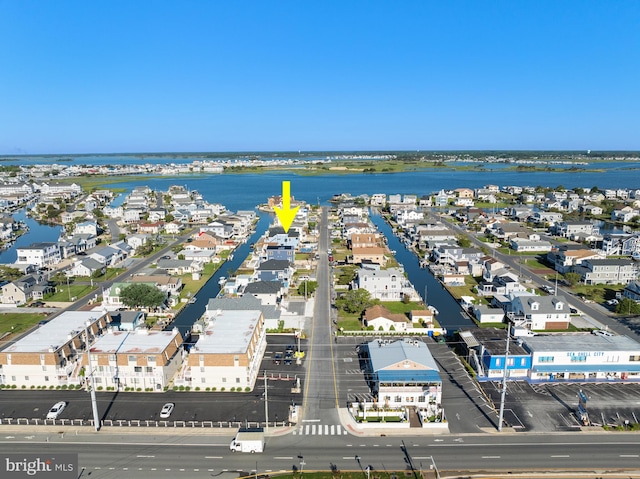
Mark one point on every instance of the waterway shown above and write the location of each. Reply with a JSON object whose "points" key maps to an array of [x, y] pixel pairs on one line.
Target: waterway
{"points": [[37, 233], [192, 312], [450, 313]]}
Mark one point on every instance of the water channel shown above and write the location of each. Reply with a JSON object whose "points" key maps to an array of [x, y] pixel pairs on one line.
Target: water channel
{"points": [[192, 312], [450, 314]]}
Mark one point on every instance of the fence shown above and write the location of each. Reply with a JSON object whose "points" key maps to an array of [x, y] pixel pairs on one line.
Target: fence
{"points": [[22, 421]]}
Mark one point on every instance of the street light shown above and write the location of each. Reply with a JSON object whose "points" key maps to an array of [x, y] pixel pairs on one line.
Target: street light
{"points": [[302, 463]]}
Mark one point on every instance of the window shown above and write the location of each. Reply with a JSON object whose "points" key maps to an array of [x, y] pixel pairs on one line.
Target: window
{"points": [[132, 359], [634, 358], [578, 359], [46, 378], [44, 368], [510, 361], [149, 369], [237, 380], [523, 361], [203, 380], [151, 359], [224, 380], [422, 399], [137, 369], [201, 369], [498, 361], [397, 399], [545, 359], [112, 357], [26, 378]]}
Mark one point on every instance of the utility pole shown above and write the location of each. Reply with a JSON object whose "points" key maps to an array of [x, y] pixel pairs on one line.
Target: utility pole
{"points": [[504, 383], [92, 385], [266, 403]]}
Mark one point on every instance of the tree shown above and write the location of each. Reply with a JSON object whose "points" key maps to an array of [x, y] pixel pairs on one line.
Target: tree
{"points": [[10, 274], [463, 241], [141, 295], [311, 287], [628, 306], [572, 278], [355, 301]]}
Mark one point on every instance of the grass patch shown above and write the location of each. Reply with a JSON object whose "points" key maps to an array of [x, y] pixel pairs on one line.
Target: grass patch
{"points": [[19, 321], [349, 321], [598, 292], [398, 307], [63, 294], [467, 290]]}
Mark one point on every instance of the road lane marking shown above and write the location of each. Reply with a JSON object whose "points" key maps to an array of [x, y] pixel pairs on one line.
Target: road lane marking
{"points": [[213, 457], [490, 457], [629, 455], [311, 420], [284, 457], [561, 455], [144, 456]]}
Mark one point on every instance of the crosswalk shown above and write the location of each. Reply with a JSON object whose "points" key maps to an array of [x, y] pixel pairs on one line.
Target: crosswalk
{"points": [[320, 430]]}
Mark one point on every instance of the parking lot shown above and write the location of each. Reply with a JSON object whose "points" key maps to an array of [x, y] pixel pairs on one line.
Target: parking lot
{"points": [[554, 406], [228, 409]]}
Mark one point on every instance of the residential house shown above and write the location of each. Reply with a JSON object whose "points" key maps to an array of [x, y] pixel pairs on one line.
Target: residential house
{"points": [[275, 270], [527, 245], [486, 314], [179, 267], [364, 240], [39, 254], [386, 285], [379, 318], [607, 271], [373, 254], [569, 229], [127, 320], [541, 312], [21, 290], [279, 252], [268, 292], [632, 291], [87, 267]]}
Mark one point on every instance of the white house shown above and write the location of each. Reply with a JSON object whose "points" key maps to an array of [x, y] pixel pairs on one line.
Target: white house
{"points": [[39, 254]]}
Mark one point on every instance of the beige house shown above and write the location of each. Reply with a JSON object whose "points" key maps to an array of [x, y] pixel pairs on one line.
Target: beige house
{"points": [[381, 319], [374, 254]]}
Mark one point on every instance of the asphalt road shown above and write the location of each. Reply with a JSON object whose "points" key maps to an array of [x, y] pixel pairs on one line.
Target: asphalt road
{"points": [[205, 456]]}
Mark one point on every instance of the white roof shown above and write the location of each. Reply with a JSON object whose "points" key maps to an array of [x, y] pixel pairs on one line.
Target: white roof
{"points": [[229, 332], [56, 333], [134, 342]]}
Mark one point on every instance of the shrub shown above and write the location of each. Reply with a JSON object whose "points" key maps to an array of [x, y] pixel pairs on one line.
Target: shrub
{"points": [[64, 386], [208, 389], [197, 388], [247, 389], [232, 390], [99, 388], [175, 388], [13, 386], [24, 386], [181, 388], [222, 389], [33, 386], [58, 387], [187, 388], [214, 388], [139, 389], [52, 387]]}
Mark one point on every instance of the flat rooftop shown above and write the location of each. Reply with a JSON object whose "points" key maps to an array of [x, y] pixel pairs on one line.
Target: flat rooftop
{"points": [[580, 342], [135, 342], [56, 333], [228, 332]]}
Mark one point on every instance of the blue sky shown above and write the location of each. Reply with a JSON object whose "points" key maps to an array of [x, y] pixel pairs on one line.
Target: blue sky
{"points": [[154, 76]]}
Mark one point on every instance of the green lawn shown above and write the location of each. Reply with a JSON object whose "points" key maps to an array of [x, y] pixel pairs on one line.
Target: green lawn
{"points": [[75, 290], [19, 321], [398, 307], [598, 292]]}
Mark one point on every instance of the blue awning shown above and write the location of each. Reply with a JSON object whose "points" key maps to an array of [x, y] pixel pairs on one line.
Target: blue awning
{"points": [[399, 376], [587, 368]]}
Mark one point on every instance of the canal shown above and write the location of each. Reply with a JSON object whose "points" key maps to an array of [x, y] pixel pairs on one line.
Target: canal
{"points": [[432, 291], [192, 312]]}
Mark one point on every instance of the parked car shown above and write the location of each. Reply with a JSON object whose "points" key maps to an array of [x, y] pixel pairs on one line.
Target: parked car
{"points": [[56, 410], [166, 410], [602, 332]]}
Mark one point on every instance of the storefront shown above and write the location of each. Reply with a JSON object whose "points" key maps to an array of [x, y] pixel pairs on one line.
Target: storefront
{"points": [[583, 357]]}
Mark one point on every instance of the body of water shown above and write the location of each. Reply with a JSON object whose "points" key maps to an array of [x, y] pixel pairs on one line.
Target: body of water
{"points": [[192, 312], [37, 233], [450, 313]]}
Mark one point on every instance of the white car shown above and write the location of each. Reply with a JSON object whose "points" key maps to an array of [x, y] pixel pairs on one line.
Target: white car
{"points": [[167, 409], [602, 332], [56, 410]]}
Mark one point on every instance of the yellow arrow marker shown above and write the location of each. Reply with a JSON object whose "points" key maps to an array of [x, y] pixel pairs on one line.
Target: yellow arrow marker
{"points": [[286, 214]]}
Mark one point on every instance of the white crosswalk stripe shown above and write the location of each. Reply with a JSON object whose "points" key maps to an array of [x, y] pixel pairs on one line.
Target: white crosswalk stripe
{"points": [[320, 430]]}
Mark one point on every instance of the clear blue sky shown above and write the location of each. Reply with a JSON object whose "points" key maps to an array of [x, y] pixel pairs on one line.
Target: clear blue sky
{"points": [[153, 76]]}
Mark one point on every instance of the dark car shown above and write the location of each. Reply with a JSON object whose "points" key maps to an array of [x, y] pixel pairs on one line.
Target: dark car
{"points": [[277, 357]]}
